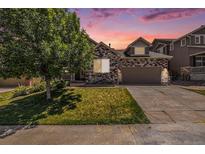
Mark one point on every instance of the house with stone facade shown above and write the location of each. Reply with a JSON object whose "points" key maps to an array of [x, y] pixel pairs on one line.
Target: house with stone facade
{"points": [[134, 65]]}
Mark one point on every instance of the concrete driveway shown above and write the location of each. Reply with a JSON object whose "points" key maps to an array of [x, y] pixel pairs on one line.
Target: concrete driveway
{"points": [[169, 104]]}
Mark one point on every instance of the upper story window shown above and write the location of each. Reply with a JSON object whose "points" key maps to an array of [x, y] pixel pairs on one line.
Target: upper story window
{"points": [[197, 39], [183, 42], [101, 65], [171, 46], [200, 60], [139, 50]]}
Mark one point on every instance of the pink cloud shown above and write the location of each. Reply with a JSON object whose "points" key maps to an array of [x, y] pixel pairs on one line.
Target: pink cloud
{"points": [[120, 40], [106, 13], [101, 14], [170, 14]]}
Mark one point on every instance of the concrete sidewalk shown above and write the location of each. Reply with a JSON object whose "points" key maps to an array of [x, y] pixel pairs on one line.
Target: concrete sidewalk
{"points": [[5, 89], [184, 133]]}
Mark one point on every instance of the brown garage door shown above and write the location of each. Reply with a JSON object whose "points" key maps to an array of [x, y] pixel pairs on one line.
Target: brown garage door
{"points": [[141, 75]]}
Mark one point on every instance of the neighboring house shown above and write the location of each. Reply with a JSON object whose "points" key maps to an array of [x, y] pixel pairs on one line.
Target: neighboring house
{"points": [[12, 82], [135, 65], [188, 54], [161, 45]]}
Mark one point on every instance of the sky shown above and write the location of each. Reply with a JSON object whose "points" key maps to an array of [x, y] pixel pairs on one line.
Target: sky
{"points": [[120, 27]]}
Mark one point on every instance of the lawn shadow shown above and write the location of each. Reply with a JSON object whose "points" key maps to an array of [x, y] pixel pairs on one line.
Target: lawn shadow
{"points": [[67, 100], [30, 109]]}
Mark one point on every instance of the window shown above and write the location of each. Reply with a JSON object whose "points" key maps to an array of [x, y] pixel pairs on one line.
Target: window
{"points": [[200, 60], [183, 42], [171, 46], [139, 50], [101, 66], [204, 39], [197, 39]]}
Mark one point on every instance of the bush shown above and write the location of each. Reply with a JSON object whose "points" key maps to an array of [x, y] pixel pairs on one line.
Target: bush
{"points": [[25, 90], [37, 87], [20, 91], [60, 84]]}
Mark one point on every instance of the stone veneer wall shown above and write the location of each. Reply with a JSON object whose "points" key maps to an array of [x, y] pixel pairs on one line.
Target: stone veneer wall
{"points": [[117, 62], [102, 51], [143, 62]]}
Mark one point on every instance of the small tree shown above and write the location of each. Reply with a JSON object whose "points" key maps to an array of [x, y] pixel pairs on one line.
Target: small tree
{"points": [[80, 49], [38, 43]]}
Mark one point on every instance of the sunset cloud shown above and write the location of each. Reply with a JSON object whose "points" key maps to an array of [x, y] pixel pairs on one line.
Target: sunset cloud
{"points": [[122, 26], [120, 40], [170, 14], [106, 13], [102, 14]]}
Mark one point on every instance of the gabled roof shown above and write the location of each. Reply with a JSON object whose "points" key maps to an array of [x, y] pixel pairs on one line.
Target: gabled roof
{"points": [[163, 40], [159, 55], [152, 55], [201, 27], [140, 39], [92, 41], [106, 46], [120, 52]]}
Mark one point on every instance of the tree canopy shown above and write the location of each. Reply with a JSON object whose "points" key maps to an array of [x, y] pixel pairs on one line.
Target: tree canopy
{"points": [[41, 42]]}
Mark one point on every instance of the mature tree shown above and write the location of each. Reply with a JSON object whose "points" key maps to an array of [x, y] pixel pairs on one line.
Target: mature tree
{"points": [[39, 43]]}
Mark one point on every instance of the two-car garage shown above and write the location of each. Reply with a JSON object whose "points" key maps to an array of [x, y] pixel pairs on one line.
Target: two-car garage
{"points": [[141, 75]]}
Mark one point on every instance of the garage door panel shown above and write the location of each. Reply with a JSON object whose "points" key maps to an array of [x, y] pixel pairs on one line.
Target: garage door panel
{"points": [[141, 75]]}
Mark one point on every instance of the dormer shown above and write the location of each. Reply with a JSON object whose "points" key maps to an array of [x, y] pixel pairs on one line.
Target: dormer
{"points": [[137, 47]]}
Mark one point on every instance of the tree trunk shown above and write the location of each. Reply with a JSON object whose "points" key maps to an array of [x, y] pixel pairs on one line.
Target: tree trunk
{"points": [[48, 89], [69, 80]]}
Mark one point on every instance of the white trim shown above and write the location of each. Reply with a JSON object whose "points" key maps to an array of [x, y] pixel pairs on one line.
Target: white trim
{"points": [[195, 46], [195, 37], [204, 39], [171, 47], [195, 54], [184, 39]]}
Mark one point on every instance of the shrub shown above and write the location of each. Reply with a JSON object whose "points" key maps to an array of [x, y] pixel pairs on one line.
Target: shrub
{"points": [[20, 91], [60, 84], [25, 90], [37, 87]]}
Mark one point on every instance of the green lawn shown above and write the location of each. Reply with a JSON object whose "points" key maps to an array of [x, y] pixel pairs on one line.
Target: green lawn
{"points": [[72, 106]]}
